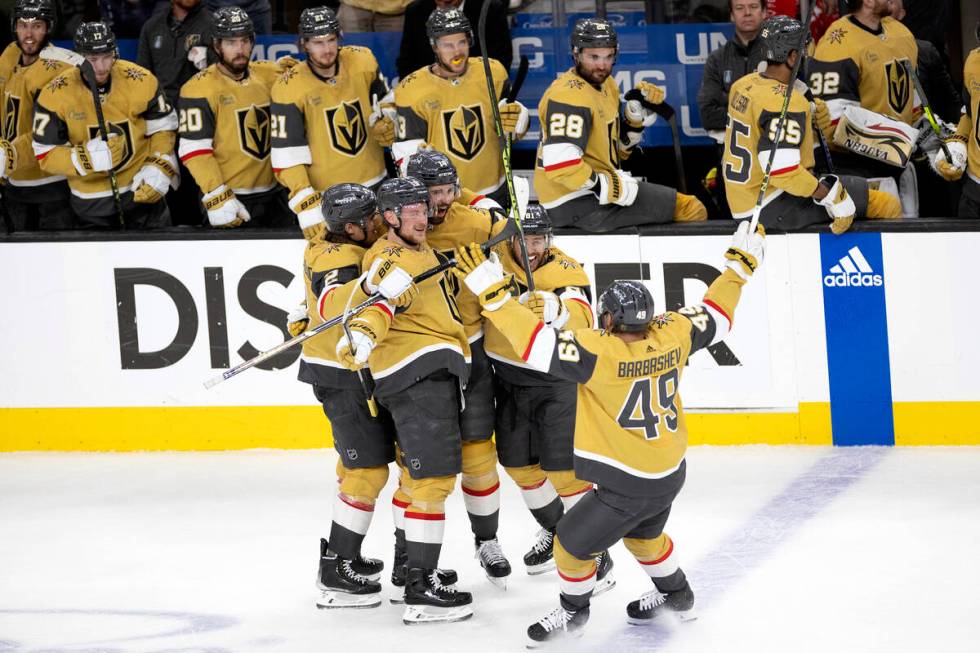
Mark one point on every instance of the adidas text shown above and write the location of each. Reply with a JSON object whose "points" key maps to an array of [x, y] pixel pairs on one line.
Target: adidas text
{"points": [[857, 279]]}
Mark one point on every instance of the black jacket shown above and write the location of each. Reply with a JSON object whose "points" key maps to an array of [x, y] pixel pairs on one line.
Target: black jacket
{"points": [[164, 44], [416, 52], [724, 66], [942, 93]]}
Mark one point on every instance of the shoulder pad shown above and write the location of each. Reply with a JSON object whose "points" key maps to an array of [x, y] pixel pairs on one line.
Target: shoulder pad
{"points": [[54, 53]]}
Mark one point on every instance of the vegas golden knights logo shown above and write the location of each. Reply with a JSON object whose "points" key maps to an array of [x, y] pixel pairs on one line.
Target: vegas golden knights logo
{"points": [[345, 122], [253, 130], [122, 129], [463, 128], [11, 113], [899, 84]]}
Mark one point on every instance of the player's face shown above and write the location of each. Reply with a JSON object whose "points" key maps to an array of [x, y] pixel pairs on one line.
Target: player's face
{"points": [[537, 247], [747, 16], [453, 51], [322, 51], [367, 234], [440, 199], [414, 224], [30, 35], [595, 64], [882, 8], [102, 65], [898, 9], [234, 53]]}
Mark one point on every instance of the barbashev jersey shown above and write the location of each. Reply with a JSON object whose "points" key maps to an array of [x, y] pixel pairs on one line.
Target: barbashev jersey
{"points": [[754, 105], [224, 128], [134, 107], [854, 64], [424, 337], [21, 86], [969, 126], [453, 117], [630, 431], [322, 124], [462, 225], [579, 137]]}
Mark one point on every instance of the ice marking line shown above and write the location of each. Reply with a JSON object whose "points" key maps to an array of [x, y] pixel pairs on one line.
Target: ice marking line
{"points": [[761, 535]]}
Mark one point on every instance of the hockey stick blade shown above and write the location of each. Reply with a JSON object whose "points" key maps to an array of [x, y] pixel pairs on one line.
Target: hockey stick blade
{"points": [[519, 78], [522, 190]]}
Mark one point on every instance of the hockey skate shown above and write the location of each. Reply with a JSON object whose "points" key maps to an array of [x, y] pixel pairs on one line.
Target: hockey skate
{"points": [[557, 625], [341, 587], [399, 570], [644, 610], [541, 558], [604, 580], [429, 601], [370, 568], [494, 564]]}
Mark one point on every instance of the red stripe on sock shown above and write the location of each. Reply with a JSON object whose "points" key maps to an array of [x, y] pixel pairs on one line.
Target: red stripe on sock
{"points": [[425, 516], [577, 580], [670, 550], [535, 486], [366, 507], [574, 494], [401, 504], [481, 493]]}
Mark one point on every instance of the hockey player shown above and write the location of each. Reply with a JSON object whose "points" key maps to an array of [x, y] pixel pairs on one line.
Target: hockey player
{"points": [[33, 199], [140, 147], [795, 198], [584, 138], [224, 130], [630, 432], [453, 224], [329, 105], [445, 106], [418, 357]]}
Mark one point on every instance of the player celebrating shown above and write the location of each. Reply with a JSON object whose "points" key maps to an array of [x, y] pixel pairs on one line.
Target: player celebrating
{"points": [[325, 106], [445, 107], [33, 199], [754, 106], [224, 130], [140, 146], [577, 173], [630, 432]]}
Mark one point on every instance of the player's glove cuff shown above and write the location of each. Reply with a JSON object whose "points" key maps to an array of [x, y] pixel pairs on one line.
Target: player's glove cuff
{"points": [[8, 158], [306, 205], [394, 283]]}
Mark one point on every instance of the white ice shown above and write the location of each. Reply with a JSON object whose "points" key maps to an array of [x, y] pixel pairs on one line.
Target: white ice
{"points": [[788, 549]]}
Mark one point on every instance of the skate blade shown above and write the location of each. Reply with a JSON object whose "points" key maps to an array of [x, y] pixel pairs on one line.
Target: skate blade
{"points": [[426, 614], [543, 568], [563, 639], [604, 585], [332, 600], [397, 600], [500, 583], [682, 617]]}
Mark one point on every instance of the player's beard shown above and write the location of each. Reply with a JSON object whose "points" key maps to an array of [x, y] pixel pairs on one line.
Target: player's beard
{"points": [[237, 66], [439, 213], [883, 9], [594, 77], [32, 49], [456, 66], [324, 64]]}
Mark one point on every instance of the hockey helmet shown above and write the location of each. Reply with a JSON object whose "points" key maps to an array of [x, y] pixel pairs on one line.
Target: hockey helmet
{"points": [[536, 221], [593, 33], [33, 10], [94, 38], [345, 204], [781, 35], [402, 191], [629, 303], [443, 22], [319, 21], [433, 168], [231, 22]]}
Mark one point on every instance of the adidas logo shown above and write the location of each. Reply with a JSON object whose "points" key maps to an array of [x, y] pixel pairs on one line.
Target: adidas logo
{"points": [[853, 270]]}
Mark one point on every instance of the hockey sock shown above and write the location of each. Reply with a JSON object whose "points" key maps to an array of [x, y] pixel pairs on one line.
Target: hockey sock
{"points": [[481, 488], [539, 495], [351, 519], [656, 556], [576, 578], [571, 499], [570, 489], [423, 538]]}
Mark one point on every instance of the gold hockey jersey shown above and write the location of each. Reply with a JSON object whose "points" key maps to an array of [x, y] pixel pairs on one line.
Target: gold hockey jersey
{"points": [[855, 64], [754, 105], [424, 337], [454, 117], [969, 127], [630, 432], [328, 117], [134, 107], [224, 128], [579, 137]]}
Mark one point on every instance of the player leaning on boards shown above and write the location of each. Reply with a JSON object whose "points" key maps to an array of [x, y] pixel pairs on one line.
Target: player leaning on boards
{"points": [[419, 358], [452, 224], [445, 106], [325, 105], [224, 130], [630, 432], [584, 138], [754, 106], [33, 199], [67, 141]]}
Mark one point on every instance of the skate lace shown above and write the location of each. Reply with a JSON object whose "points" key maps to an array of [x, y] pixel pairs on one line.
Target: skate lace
{"points": [[543, 543], [491, 552], [651, 600], [437, 583], [557, 619], [351, 574]]}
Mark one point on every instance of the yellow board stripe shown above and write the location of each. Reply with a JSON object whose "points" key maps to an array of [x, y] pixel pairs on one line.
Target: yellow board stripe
{"points": [[305, 427]]}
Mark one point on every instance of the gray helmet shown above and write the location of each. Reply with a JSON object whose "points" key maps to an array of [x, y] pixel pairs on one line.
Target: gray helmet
{"points": [[593, 33], [319, 21], [345, 204], [33, 10], [94, 38], [629, 303], [446, 22], [230, 22], [433, 168], [401, 191], [536, 221], [780, 36]]}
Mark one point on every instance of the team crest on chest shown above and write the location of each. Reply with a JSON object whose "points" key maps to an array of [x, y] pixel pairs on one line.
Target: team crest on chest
{"points": [[135, 74], [463, 129], [253, 130], [11, 113], [122, 129], [392, 250], [348, 132], [899, 84]]}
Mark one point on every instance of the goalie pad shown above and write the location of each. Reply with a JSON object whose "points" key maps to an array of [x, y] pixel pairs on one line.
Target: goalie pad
{"points": [[873, 135]]}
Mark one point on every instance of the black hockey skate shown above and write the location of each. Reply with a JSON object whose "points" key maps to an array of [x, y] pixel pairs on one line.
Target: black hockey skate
{"points": [[429, 601], [541, 558], [399, 570], [604, 580], [494, 563], [557, 625], [644, 610], [370, 568], [342, 587]]}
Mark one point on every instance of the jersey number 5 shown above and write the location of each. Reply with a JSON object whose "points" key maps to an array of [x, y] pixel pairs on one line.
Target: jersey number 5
{"points": [[639, 412]]}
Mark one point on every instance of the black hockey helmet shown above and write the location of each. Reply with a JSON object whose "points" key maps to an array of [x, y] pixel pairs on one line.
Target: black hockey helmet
{"points": [[593, 33], [231, 22], [319, 21], [401, 191], [344, 204], [433, 168], [443, 22], [780, 36], [536, 221], [94, 38], [629, 303], [33, 10]]}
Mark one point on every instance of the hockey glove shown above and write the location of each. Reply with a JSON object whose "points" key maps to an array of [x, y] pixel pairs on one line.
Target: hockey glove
{"points": [[394, 283], [306, 205], [617, 187], [353, 354], [484, 277], [224, 209], [382, 123], [746, 252], [98, 155], [950, 170], [8, 158], [297, 320], [548, 307], [155, 178], [514, 118], [840, 207], [637, 111], [821, 116], [198, 56], [286, 61]]}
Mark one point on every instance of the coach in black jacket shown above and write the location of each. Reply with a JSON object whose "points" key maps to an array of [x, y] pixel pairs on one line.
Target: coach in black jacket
{"points": [[416, 52]]}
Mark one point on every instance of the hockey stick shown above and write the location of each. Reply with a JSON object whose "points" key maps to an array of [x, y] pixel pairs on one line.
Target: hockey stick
{"points": [[506, 233], [926, 109], [504, 145], [519, 78], [371, 403], [823, 141], [88, 74], [668, 113]]}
